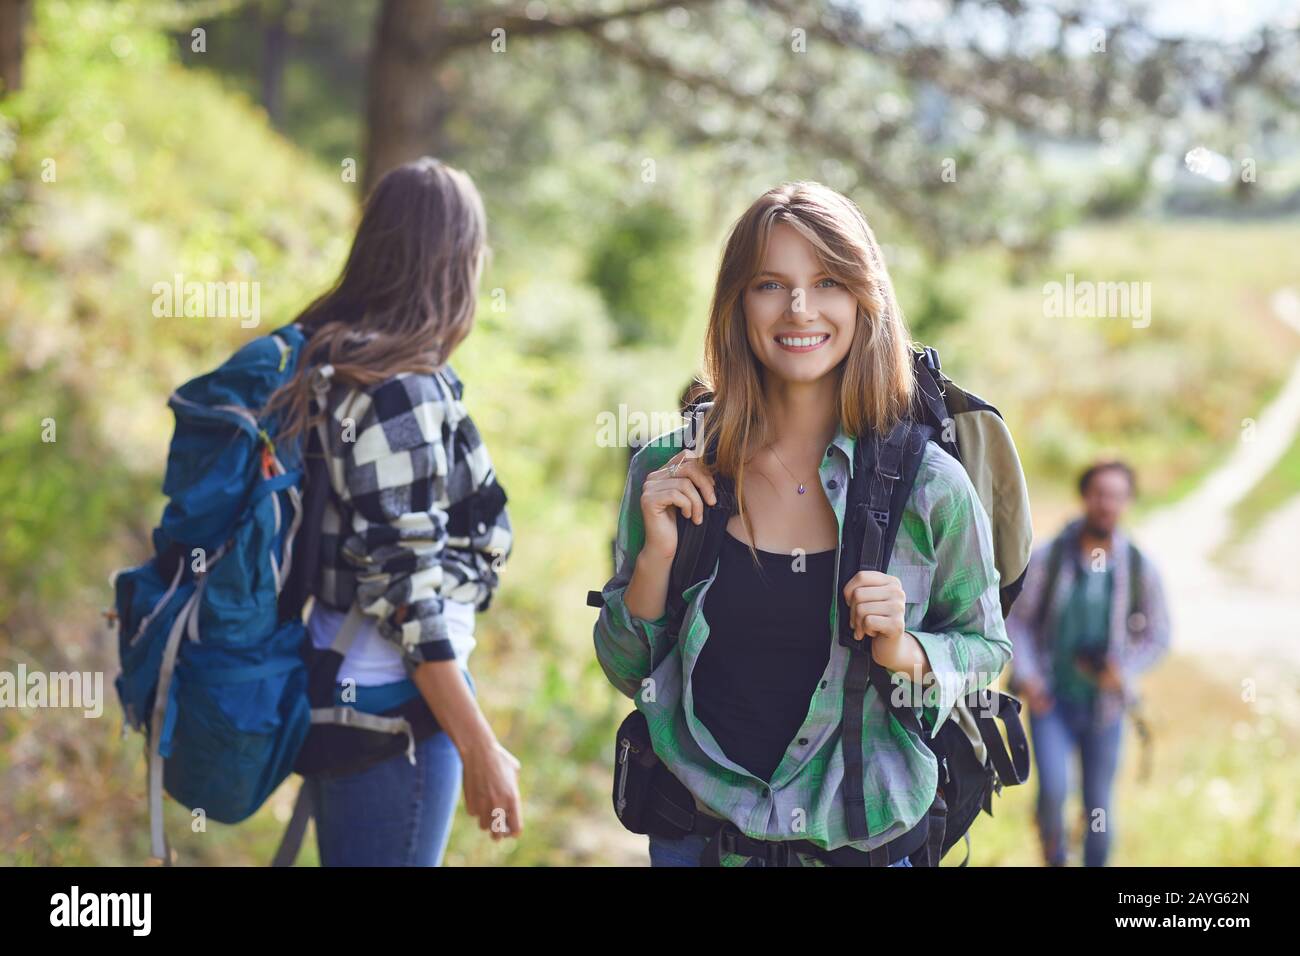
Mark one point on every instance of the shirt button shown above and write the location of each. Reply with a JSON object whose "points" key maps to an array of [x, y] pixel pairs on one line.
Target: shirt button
{"points": [[824, 683], [803, 741], [829, 450], [832, 484]]}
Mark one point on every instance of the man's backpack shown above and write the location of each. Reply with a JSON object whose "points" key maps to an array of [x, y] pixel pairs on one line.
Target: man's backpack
{"points": [[211, 641], [974, 762], [1056, 557]]}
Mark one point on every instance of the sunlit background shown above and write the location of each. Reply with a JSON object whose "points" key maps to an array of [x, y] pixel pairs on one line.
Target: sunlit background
{"points": [[996, 147]]}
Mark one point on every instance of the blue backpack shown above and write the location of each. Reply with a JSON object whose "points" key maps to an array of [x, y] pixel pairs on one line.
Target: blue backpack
{"points": [[212, 672]]}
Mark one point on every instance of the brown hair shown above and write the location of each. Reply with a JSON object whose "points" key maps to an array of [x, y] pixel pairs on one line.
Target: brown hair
{"points": [[875, 377], [407, 293], [1107, 464]]}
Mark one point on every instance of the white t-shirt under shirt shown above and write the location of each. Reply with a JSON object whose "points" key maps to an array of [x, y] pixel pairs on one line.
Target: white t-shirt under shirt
{"points": [[372, 660]]}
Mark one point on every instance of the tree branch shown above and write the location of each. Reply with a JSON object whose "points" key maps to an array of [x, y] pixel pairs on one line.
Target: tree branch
{"points": [[900, 198], [467, 31]]}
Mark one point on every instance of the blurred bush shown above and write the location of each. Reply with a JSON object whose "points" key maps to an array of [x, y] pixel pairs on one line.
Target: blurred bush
{"points": [[637, 263]]}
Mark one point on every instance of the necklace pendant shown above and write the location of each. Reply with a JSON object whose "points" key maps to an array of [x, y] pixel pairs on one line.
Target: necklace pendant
{"points": [[801, 488]]}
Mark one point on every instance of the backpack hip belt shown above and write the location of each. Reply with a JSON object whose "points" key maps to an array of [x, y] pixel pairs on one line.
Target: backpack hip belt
{"points": [[649, 799], [725, 838]]}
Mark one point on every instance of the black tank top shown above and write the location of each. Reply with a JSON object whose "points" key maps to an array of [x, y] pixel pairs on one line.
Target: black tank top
{"points": [[768, 645]]}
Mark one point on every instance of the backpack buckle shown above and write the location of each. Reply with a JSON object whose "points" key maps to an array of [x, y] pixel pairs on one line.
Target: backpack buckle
{"points": [[726, 841], [880, 517], [777, 853], [321, 379]]}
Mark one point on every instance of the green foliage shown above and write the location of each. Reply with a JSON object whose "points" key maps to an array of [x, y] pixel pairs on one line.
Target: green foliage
{"points": [[117, 188], [1119, 194], [53, 498], [159, 171], [638, 264], [930, 305], [596, 296], [324, 69]]}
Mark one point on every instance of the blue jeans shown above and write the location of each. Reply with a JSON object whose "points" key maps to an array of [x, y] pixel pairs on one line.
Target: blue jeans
{"points": [[688, 850], [393, 814], [1057, 734]]}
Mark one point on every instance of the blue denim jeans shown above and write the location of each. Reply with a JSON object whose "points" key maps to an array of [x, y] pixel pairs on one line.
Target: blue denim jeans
{"points": [[393, 814], [1066, 728], [688, 850]]}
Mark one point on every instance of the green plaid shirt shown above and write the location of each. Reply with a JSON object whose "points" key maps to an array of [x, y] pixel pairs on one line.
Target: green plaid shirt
{"points": [[943, 556]]}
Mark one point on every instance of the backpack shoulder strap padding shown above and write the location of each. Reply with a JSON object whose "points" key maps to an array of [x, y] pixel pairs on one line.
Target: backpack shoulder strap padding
{"points": [[698, 546], [989, 456], [1136, 597], [1055, 555], [883, 475]]}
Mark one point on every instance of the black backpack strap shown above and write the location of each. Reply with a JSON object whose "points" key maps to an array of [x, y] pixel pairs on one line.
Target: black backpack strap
{"points": [[936, 399], [1055, 558], [883, 476], [1012, 767], [1135, 595], [698, 546], [695, 543], [303, 810], [307, 545]]}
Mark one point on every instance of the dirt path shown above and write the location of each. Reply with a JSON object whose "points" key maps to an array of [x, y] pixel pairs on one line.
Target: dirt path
{"points": [[1241, 626]]}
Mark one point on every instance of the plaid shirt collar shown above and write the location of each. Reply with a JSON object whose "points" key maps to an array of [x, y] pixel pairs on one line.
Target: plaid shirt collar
{"points": [[846, 443], [457, 386]]}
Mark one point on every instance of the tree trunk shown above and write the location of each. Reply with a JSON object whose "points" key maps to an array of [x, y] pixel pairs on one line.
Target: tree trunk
{"points": [[275, 45], [406, 106], [13, 20]]}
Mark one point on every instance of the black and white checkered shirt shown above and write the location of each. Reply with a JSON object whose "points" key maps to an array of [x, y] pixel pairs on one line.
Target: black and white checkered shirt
{"points": [[417, 515]]}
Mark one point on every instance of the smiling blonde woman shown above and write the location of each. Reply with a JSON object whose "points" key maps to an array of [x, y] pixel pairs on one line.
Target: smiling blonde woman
{"points": [[806, 350]]}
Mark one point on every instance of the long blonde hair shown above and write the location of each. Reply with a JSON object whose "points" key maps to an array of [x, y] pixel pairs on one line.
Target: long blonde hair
{"points": [[876, 380]]}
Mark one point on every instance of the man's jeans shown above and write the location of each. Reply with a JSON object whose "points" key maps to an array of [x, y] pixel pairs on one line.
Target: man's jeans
{"points": [[1066, 728], [688, 850]]}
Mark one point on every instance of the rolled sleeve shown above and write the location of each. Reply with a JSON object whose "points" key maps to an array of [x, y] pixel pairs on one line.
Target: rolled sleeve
{"points": [[628, 647], [966, 643]]}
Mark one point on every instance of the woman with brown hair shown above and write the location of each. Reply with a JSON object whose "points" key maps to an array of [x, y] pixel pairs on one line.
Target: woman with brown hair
{"points": [[806, 351], [414, 527]]}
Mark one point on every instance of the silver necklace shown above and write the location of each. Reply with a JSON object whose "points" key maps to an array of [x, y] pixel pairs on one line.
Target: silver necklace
{"points": [[802, 489]]}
